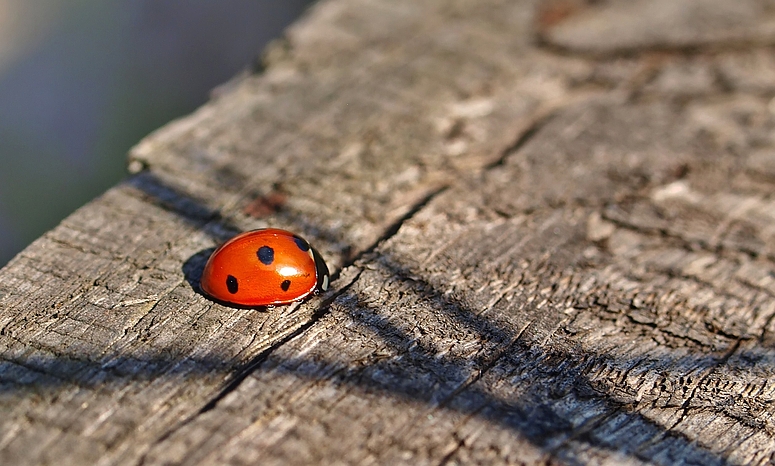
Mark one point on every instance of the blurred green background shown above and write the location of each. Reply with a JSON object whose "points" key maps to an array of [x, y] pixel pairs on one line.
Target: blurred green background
{"points": [[81, 81]]}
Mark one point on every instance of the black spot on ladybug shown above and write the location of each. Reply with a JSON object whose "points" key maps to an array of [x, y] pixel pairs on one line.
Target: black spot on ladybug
{"points": [[231, 284], [285, 285], [265, 255], [303, 245]]}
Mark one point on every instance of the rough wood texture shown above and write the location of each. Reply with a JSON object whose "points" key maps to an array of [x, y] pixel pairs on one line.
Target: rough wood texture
{"points": [[551, 224]]}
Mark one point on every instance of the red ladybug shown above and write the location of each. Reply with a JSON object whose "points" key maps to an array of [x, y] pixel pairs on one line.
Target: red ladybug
{"points": [[264, 268]]}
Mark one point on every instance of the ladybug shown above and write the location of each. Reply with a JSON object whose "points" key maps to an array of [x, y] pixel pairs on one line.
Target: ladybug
{"points": [[264, 267]]}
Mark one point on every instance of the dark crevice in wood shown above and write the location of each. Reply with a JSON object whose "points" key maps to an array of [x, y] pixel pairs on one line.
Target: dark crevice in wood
{"points": [[684, 51], [488, 365], [685, 244], [242, 373], [584, 431], [686, 405], [391, 230], [766, 327], [521, 140], [461, 442]]}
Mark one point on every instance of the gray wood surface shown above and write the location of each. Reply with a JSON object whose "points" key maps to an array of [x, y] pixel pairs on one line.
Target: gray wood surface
{"points": [[551, 227]]}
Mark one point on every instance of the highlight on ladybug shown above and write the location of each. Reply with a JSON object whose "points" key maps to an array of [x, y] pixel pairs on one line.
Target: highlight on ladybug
{"points": [[264, 267]]}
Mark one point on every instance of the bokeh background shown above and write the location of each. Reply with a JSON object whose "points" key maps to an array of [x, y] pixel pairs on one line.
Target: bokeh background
{"points": [[81, 81]]}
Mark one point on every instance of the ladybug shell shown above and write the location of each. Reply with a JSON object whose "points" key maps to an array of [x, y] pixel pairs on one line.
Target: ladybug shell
{"points": [[263, 268]]}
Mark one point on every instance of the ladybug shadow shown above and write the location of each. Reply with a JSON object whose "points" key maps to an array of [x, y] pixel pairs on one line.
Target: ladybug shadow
{"points": [[192, 271]]}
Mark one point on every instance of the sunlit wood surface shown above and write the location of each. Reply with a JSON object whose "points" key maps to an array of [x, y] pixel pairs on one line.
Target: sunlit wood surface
{"points": [[551, 227]]}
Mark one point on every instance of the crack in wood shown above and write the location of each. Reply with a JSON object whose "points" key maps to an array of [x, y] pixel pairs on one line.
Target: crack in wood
{"points": [[685, 406], [392, 229], [239, 375], [459, 444], [636, 52], [539, 122], [486, 367], [686, 244]]}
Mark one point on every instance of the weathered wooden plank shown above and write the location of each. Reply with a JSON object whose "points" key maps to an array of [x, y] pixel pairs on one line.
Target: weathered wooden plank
{"points": [[470, 330], [539, 257], [110, 338], [407, 116]]}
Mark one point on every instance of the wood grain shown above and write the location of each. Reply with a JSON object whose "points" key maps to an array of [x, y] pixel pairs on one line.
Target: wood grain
{"points": [[540, 255]]}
